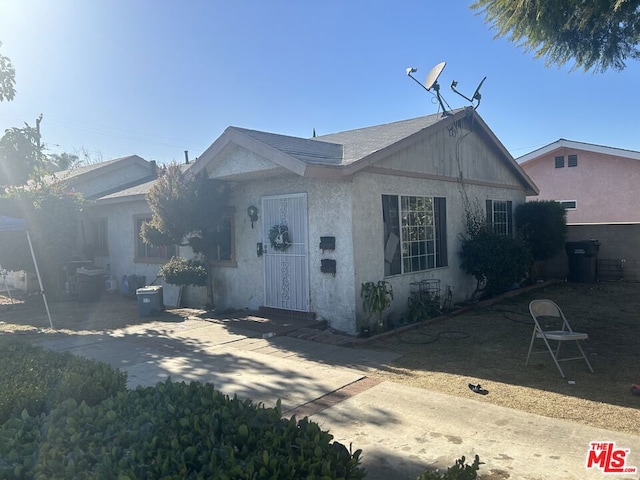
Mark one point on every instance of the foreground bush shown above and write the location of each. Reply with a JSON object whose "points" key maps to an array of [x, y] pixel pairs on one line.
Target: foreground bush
{"points": [[459, 471], [37, 379], [173, 430]]}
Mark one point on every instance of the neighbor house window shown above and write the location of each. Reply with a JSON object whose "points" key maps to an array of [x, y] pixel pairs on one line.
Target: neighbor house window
{"points": [[97, 236], [415, 233], [500, 217], [146, 253], [559, 162], [225, 243], [572, 160], [568, 204]]}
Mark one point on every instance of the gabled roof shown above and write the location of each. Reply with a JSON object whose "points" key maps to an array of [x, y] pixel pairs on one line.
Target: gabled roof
{"points": [[103, 178], [587, 147], [342, 154], [362, 142], [337, 150], [96, 169], [135, 192]]}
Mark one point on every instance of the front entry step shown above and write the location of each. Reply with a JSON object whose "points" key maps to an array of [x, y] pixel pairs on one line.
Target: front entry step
{"points": [[268, 311]]}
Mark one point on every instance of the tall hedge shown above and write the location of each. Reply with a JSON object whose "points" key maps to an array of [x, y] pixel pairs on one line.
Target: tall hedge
{"points": [[542, 225]]}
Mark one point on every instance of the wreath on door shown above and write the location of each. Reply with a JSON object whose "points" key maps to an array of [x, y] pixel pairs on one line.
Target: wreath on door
{"points": [[279, 237]]}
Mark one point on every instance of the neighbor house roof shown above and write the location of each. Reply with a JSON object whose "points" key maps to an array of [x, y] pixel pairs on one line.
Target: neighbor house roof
{"points": [[339, 155], [103, 178], [135, 192], [588, 147], [88, 171]]}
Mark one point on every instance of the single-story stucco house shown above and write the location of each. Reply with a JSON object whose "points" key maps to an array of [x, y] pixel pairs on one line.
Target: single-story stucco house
{"points": [[109, 225], [311, 219]]}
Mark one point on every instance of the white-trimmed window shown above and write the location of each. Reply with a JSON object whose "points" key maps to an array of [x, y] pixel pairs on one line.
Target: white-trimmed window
{"points": [[500, 216], [568, 204], [415, 233]]}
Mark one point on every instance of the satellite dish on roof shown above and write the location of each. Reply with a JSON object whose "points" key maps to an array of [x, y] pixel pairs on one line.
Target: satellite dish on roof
{"points": [[476, 95], [432, 76], [431, 83]]}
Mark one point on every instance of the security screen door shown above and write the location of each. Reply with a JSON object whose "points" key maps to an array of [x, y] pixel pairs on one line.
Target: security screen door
{"points": [[286, 266]]}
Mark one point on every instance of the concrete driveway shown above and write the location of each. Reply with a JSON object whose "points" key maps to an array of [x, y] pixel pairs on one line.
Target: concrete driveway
{"points": [[401, 430]]}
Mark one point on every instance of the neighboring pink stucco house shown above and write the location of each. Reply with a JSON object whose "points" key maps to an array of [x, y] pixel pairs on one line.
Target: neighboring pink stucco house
{"points": [[597, 185]]}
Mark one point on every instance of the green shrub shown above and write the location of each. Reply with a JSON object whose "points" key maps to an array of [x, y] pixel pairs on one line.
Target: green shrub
{"points": [[496, 261], [171, 431], [459, 471], [37, 379], [179, 271], [542, 225]]}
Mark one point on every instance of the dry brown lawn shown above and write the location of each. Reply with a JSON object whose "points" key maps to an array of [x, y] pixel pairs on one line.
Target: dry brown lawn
{"points": [[488, 345]]}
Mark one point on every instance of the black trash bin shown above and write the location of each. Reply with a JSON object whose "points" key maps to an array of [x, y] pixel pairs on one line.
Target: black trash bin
{"points": [[150, 300], [583, 261], [90, 283]]}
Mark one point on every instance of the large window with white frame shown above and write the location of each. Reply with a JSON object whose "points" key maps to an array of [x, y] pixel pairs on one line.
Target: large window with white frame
{"points": [[415, 233]]}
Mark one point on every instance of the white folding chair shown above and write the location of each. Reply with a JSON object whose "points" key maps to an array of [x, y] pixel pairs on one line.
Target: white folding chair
{"points": [[547, 310]]}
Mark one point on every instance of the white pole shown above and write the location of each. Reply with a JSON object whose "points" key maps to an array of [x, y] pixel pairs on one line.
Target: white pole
{"points": [[4, 279], [44, 297]]}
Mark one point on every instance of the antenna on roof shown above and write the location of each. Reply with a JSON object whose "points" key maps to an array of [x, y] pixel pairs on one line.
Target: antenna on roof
{"points": [[431, 83], [476, 95]]}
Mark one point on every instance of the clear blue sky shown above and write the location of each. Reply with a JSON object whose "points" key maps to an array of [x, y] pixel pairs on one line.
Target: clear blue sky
{"points": [[155, 78]]}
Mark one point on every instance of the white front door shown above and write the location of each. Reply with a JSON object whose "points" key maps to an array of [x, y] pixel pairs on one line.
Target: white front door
{"points": [[286, 265]]}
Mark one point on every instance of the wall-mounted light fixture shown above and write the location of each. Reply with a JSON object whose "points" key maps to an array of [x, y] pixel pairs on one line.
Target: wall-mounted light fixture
{"points": [[252, 211]]}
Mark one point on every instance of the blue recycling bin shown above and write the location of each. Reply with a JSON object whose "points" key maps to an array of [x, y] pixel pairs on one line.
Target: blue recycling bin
{"points": [[150, 300]]}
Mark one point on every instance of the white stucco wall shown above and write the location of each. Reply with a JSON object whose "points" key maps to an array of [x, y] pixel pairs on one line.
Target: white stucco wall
{"points": [[121, 240], [329, 214], [368, 235]]}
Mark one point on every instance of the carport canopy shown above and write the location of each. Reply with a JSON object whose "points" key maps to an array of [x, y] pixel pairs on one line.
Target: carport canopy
{"points": [[12, 224]]}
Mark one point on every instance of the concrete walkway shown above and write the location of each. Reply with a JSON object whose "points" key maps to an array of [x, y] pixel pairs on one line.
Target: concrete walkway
{"points": [[401, 430]]}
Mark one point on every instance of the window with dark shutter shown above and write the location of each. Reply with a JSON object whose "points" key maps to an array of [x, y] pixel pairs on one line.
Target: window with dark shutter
{"points": [[415, 233], [559, 162], [572, 160]]}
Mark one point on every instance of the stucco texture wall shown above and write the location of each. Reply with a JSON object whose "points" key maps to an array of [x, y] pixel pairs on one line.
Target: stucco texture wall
{"points": [[329, 214], [601, 185], [121, 240], [369, 237]]}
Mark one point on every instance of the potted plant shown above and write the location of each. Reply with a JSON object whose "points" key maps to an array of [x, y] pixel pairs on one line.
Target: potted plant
{"points": [[376, 297]]}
